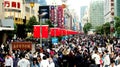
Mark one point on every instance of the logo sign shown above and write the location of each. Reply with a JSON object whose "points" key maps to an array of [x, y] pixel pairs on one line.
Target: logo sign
{"points": [[44, 9], [54, 40]]}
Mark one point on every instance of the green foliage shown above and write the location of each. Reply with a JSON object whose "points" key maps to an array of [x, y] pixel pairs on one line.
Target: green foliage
{"points": [[31, 22], [99, 30], [87, 27], [117, 22], [48, 23], [106, 28], [118, 30]]}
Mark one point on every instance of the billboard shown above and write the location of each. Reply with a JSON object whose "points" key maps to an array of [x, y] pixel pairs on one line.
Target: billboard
{"points": [[44, 9]]}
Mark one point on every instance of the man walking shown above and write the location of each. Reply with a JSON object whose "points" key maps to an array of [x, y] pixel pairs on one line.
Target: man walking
{"points": [[23, 62]]}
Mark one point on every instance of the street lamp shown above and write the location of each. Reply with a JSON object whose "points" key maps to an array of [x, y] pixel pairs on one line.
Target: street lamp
{"points": [[40, 16], [32, 4]]}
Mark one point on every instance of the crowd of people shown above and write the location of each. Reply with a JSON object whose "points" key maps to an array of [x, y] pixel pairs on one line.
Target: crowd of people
{"points": [[74, 51]]}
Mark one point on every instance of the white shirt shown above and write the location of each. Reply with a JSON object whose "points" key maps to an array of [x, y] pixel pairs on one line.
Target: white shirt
{"points": [[41, 55], [9, 62], [23, 63], [96, 57], [51, 63], [44, 63], [106, 60]]}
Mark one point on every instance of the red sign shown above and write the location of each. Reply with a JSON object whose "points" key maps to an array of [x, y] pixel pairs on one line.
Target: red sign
{"points": [[12, 4], [52, 14], [21, 45], [60, 16], [6, 4]]}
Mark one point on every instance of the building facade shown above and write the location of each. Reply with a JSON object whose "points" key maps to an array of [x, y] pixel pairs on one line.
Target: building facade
{"points": [[19, 9], [14, 12], [117, 8], [1, 9], [108, 10], [82, 15], [82, 12], [67, 17], [96, 15]]}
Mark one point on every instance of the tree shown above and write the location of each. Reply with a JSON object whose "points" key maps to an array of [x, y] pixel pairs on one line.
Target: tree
{"points": [[48, 23], [87, 27], [117, 22], [117, 25], [106, 28], [99, 29], [31, 22], [118, 30]]}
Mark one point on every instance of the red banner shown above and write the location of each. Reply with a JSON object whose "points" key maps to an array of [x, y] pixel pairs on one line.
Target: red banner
{"points": [[52, 14], [44, 31], [64, 32], [55, 32], [60, 18], [36, 31]]}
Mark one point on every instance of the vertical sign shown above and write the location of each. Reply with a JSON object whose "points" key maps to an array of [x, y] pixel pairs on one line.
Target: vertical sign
{"points": [[52, 14], [60, 18]]}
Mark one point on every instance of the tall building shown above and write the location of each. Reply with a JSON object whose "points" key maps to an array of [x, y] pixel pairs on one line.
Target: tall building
{"points": [[108, 10], [42, 2], [82, 13], [117, 8], [67, 17], [96, 16], [1, 9]]}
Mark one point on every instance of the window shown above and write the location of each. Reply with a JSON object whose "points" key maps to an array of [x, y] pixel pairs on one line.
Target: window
{"points": [[112, 4], [32, 11], [27, 9]]}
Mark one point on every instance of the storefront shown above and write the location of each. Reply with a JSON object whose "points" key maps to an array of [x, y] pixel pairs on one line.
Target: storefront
{"points": [[6, 25]]}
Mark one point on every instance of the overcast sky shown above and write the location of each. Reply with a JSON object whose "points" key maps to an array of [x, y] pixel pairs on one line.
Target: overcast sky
{"points": [[76, 4]]}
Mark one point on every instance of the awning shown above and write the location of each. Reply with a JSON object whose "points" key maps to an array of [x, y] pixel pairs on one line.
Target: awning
{"points": [[6, 24], [4, 28]]}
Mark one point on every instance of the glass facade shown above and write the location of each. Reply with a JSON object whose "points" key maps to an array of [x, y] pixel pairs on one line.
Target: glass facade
{"points": [[117, 8], [82, 12], [96, 12]]}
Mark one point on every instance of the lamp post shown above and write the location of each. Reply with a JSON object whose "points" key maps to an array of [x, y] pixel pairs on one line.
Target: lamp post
{"points": [[40, 17], [32, 4]]}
